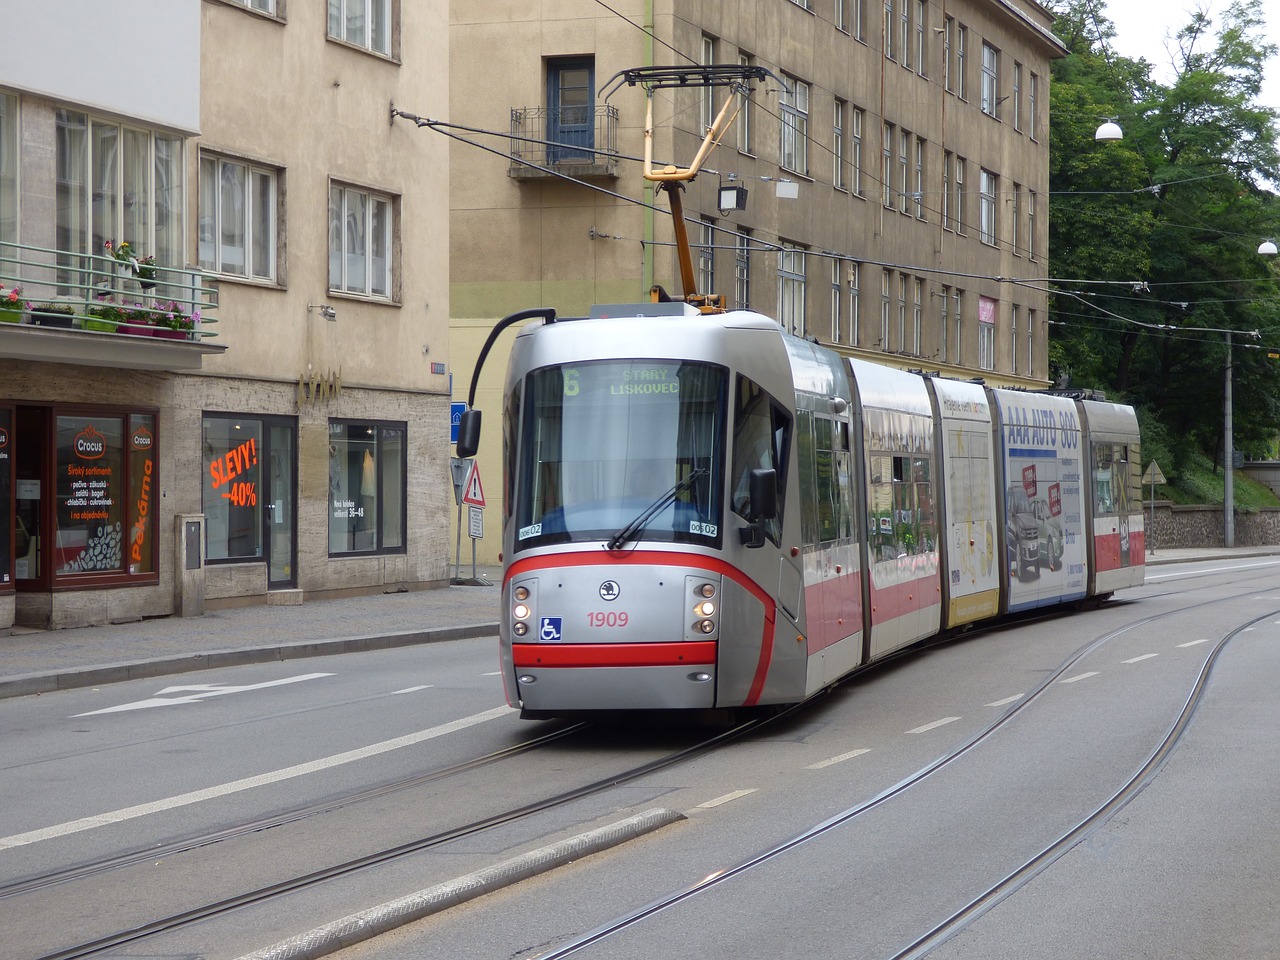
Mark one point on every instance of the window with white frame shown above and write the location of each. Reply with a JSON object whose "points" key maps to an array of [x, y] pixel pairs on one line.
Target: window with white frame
{"points": [[8, 168], [364, 23], [917, 316], [791, 288], [986, 333], [886, 310], [958, 211], [361, 231], [838, 161], [987, 182], [886, 166], [1015, 220], [707, 257], [904, 31], [744, 112], [237, 217], [263, 6], [946, 189], [904, 171], [1031, 342], [918, 194], [1014, 344], [944, 298], [855, 303], [707, 102], [948, 33], [888, 29], [1017, 96], [990, 80], [855, 150], [794, 149], [962, 41], [742, 271], [957, 316], [837, 299], [857, 25], [1031, 224], [903, 345], [1033, 117], [840, 17], [802, 3], [117, 183], [921, 7]]}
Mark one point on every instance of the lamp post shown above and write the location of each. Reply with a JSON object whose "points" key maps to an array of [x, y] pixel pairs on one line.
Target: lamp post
{"points": [[1228, 458]]}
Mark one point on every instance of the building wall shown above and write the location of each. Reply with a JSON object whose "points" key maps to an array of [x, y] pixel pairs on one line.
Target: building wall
{"points": [[272, 91], [525, 242]]}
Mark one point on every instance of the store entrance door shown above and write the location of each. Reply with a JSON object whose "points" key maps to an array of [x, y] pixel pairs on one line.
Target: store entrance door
{"points": [[279, 515], [32, 520]]}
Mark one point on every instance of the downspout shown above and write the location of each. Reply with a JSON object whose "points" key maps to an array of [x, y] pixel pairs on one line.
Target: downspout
{"points": [[650, 197]]}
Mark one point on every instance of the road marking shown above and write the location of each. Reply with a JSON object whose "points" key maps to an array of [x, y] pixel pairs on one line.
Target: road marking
{"points": [[1080, 676], [1194, 643], [425, 686], [1200, 572], [496, 673], [248, 783], [931, 726], [1145, 656], [831, 760], [725, 799], [1006, 701], [198, 693]]}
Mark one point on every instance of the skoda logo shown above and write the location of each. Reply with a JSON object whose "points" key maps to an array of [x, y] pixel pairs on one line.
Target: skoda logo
{"points": [[609, 590]]}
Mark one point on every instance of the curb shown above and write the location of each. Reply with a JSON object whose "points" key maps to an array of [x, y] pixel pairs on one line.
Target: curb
{"points": [[33, 683], [370, 923]]}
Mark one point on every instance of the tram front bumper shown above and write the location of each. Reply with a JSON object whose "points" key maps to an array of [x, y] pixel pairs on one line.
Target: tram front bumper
{"points": [[615, 676]]}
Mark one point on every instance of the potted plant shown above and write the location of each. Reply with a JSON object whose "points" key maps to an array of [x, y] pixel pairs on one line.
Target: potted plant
{"points": [[11, 304], [172, 323], [146, 272], [137, 321], [53, 313], [106, 317], [144, 268]]}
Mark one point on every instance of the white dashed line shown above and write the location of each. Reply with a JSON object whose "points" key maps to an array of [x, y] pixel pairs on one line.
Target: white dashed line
{"points": [[1080, 676], [725, 799], [1145, 656], [1194, 643], [931, 726], [425, 686], [832, 760], [1006, 701]]}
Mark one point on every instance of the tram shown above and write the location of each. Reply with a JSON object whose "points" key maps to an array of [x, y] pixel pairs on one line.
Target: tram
{"points": [[702, 511]]}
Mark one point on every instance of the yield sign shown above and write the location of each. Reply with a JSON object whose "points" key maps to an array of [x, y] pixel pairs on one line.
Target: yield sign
{"points": [[472, 492]]}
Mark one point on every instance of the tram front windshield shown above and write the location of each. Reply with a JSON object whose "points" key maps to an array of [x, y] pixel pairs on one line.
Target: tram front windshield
{"points": [[621, 451]]}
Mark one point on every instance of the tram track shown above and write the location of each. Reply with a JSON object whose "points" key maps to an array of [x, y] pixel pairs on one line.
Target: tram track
{"points": [[228, 905], [1013, 880]]}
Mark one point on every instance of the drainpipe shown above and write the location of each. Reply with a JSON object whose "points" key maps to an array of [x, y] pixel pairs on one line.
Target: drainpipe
{"points": [[647, 279]]}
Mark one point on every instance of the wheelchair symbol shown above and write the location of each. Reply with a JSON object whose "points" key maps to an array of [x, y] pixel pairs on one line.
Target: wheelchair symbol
{"points": [[550, 630]]}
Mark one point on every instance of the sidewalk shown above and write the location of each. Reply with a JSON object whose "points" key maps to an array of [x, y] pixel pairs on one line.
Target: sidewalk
{"points": [[40, 661]]}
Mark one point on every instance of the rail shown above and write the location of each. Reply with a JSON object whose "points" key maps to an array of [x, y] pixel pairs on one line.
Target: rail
{"points": [[50, 287]]}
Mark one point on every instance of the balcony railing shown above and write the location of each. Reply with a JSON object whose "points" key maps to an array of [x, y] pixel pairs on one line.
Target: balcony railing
{"points": [[577, 141], [82, 297]]}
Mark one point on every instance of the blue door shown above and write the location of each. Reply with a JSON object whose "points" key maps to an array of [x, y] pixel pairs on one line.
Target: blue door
{"points": [[570, 109]]}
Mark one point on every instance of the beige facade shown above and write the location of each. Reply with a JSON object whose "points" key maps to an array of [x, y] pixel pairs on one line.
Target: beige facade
{"points": [[309, 433], [896, 167]]}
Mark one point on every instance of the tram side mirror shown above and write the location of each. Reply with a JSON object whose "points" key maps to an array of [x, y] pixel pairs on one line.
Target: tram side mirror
{"points": [[469, 434], [763, 490]]}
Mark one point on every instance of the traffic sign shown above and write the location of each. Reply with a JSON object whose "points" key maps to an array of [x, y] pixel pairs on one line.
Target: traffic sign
{"points": [[472, 491], [455, 417], [475, 522], [1153, 474]]}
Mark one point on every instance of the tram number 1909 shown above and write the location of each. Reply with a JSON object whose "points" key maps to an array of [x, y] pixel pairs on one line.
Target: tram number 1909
{"points": [[611, 619]]}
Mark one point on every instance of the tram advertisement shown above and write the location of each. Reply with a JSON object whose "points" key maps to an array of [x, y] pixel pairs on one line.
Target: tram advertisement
{"points": [[1044, 507]]}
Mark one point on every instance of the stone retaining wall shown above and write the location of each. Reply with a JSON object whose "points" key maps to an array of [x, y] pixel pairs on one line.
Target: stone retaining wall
{"points": [[1178, 526]]}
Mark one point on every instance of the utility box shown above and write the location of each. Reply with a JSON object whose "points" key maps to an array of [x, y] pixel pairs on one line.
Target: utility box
{"points": [[188, 565]]}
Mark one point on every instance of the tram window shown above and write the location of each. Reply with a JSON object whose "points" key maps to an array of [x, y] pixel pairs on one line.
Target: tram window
{"points": [[761, 439], [806, 474]]}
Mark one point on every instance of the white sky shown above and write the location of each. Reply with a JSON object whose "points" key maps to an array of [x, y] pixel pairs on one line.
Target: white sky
{"points": [[1144, 28]]}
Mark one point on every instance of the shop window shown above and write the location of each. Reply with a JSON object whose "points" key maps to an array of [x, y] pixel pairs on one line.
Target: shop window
{"points": [[106, 489], [232, 481], [366, 487]]}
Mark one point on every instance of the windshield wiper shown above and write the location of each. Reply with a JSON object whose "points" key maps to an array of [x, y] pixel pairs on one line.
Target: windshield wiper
{"points": [[651, 511]]}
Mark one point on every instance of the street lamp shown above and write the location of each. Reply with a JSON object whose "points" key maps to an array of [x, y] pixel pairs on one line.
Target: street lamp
{"points": [[1109, 130], [1267, 248]]}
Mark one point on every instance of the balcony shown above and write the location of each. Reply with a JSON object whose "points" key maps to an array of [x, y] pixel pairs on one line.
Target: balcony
{"points": [[58, 306], [572, 141]]}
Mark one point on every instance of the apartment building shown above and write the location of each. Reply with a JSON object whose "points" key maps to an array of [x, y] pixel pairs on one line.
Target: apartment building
{"points": [[895, 167], [249, 401]]}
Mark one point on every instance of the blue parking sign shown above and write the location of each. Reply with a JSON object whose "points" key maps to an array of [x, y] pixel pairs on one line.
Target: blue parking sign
{"points": [[455, 418]]}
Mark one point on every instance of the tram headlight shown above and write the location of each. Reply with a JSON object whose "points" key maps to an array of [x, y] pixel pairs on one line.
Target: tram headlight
{"points": [[707, 590], [519, 628], [520, 611], [705, 609], [521, 593], [705, 626]]}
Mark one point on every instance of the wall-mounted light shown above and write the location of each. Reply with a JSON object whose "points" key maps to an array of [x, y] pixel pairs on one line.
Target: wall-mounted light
{"points": [[326, 311]]}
